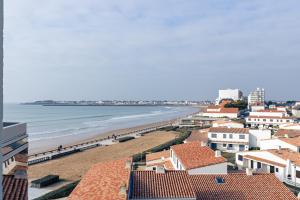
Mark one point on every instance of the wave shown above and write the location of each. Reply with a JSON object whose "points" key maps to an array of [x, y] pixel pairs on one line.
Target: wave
{"points": [[72, 118]]}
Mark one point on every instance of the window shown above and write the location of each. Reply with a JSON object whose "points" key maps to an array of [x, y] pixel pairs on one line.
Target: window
{"points": [[219, 180], [241, 147], [224, 145], [287, 120], [240, 158], [230, 145], [264, 120], [230, 136], [214, 135], [242, 136], [276, 169], [258, 165], [272, 169], [251, 164], [224, 136], [297, 174], [271, 120]]}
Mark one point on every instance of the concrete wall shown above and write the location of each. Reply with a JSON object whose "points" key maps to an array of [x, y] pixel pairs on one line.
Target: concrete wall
{"points": [[257, 135], [212, 169], [275, 144]]}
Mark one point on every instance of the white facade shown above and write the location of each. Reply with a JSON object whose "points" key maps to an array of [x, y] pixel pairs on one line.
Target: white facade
{"points": [[221, 115], [229, 142], [234, 94], [258, 135], [256, 97], [276, 143], [1, 89], [268, 121], [257, 108], [266, 162]]}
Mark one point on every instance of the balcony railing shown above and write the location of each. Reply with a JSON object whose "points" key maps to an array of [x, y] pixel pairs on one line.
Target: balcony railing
{"points": [[291, 182]]}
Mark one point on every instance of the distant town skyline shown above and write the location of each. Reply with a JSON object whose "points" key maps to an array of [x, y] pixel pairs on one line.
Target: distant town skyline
{"points": [[150, 50]]}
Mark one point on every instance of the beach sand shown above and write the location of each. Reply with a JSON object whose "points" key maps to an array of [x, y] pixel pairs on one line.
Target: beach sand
{"points": [[74, 166]]}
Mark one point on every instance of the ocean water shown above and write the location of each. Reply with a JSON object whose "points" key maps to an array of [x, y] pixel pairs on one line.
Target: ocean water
{"points": [[49, 126]]}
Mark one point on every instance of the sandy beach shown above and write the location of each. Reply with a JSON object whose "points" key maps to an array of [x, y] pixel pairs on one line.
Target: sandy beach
{"points": [[74, 166]]}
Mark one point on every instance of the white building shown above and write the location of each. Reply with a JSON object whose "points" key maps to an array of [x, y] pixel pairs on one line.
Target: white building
{"points": [[292, 144], [220, 112], [283, 163], [197, 159], [236, 139], [234, 94], [268, 118], [229, 139], [257, 97]]}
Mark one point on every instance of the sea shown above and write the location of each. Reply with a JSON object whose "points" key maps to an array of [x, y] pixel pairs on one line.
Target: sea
{"points": [[50, 126]]}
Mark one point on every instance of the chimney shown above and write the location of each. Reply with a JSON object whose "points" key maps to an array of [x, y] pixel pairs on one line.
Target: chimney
{"points": [[286, 135], [217, 153], [279, 147], [203, 144], [128, 164], [160, 170], [249, 172], [123, 189]]}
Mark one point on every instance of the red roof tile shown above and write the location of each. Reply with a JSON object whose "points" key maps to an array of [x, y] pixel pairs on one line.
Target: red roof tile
{"points": [[192, 155], [103, 181], [168, 185], [14, 189], [289, 133], [157, 155], [229, 130], [240, 187]]}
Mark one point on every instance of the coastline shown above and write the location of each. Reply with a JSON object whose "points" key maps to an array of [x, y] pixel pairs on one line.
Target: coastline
{"points": [[45, 146]]}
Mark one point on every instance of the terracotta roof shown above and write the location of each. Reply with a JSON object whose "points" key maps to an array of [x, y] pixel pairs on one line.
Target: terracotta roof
{"points": [[168, 165], [14, 188], [103, 181], [240, 187], [192, 155], [293, 141], [264, 160], [199, 135], [290, 133], [157, 155], [229, 130], [287, 154], [152, 185]]}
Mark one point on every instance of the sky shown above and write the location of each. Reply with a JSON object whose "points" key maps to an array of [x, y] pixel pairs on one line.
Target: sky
{"points": [[150, 49]]}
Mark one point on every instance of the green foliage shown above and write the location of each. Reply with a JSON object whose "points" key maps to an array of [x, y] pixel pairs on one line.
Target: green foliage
{"points": [[183, 134], [59, 193], [241, 105], [124, 139]]}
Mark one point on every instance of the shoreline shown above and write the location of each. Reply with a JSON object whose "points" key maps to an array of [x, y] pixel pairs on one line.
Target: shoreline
{"points": [[108, 134]]}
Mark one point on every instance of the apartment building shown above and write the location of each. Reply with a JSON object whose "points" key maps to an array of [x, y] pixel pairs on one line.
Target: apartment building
{"points": [[283, 163], [14, 165], [236, 139], [115, 180], [227, 123], [257, 97], [268, 118], [292, 144], [229, 139], [234, 94]]}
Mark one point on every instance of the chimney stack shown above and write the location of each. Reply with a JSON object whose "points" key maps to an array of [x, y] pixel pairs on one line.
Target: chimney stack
{"points": [[218, 153], [249, 172], [123, 190], [160, 170], [128, 164], [286, 135]]}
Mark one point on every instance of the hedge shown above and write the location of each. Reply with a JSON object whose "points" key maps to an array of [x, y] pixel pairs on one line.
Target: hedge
{"points": [[62, 192], [182, 136], [124, 139]]}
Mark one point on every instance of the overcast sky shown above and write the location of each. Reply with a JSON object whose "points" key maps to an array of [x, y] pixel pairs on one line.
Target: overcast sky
{"points": [[150, 49]]}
